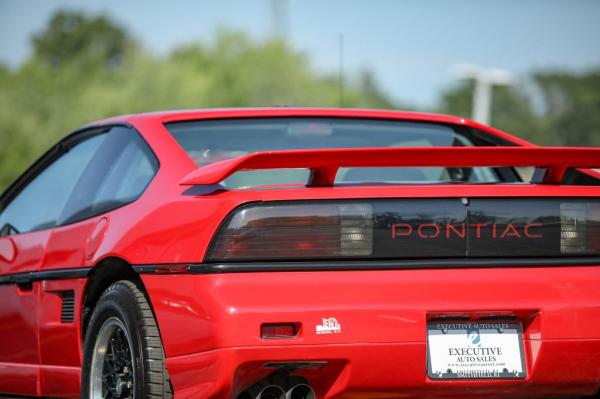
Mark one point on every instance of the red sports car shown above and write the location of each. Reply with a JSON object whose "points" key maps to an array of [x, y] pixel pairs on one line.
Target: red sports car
{"points": [[301, 253]]}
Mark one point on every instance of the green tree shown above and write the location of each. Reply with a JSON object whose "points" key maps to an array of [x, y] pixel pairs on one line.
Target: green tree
{"points": [[86, 68], [370, 92], [568, 115], [73, 36], [571, 114]]}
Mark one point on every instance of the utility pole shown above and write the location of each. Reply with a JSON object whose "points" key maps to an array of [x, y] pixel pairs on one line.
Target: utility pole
{"points": [[280, 11], [341, 69], [485, 80]]}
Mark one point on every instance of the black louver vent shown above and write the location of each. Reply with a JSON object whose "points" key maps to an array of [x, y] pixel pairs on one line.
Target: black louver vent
{"points": [[67, 313]]}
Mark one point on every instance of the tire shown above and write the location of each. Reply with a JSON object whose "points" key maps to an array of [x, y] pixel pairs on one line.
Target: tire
{"points": [[122, 348]]}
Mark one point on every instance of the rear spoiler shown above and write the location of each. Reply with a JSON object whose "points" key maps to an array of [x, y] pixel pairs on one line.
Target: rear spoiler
{"points": [[324, 163]]}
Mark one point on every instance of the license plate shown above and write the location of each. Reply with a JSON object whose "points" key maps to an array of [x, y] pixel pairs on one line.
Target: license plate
{"points": [[475, 350]]}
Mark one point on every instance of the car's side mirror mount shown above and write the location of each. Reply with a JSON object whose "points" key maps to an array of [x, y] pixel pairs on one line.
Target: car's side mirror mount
{"points": [[8, 230]]}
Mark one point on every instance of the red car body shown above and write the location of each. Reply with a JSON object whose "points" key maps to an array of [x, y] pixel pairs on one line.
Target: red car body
{"points": [[210, 321]]}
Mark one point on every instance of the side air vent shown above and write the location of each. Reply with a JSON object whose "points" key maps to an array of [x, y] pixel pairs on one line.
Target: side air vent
{"points": [[67, 313]]}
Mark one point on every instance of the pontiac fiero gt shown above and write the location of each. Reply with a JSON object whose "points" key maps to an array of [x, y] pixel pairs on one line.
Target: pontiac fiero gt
{"points": [[301, 253]]}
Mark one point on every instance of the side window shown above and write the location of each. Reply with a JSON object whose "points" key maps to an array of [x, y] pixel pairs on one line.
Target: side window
{"points": [[117, 175], [39, 204]]}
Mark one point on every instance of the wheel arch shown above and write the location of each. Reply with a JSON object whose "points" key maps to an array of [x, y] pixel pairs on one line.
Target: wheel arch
{"points": [[107, 271]]}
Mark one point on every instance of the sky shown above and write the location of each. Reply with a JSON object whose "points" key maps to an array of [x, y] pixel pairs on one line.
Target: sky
{"points": [[411, 46]]}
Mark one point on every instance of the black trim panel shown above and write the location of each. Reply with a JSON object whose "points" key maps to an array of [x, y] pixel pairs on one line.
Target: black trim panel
{"points": [[302, 364], [57, 274], [67, 309], [448, 263]]}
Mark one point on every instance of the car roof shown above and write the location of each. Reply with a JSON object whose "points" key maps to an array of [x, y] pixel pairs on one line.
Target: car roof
{"points": [[161, 117], [211, 113]]}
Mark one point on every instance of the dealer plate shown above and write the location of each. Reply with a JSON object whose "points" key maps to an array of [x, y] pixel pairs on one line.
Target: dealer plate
{"points": [[475, 350]]}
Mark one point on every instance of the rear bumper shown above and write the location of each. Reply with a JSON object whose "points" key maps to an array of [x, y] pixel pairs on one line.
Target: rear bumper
{"points": [[210, 326], [560, 368]]}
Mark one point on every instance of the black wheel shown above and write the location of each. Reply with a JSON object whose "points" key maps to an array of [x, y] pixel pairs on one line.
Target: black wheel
{"points": [[123, 356]]}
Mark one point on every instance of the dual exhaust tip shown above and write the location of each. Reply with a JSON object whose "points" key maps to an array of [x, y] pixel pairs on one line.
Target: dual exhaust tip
{"points": [[299, 391]]}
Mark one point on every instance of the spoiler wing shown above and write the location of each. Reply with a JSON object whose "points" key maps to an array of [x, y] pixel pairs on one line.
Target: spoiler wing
{"points": [[324, 163]]}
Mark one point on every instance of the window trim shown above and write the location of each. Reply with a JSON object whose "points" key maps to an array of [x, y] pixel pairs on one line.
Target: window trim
{"points": [[148, 151], [56, 151]]}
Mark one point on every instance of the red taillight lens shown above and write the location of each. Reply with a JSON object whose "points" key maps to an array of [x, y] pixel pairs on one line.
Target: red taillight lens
{"points": [[295, 231], [279, 330]]}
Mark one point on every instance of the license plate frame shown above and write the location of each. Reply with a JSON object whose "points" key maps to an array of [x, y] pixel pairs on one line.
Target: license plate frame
{"points": [[501, 333]]}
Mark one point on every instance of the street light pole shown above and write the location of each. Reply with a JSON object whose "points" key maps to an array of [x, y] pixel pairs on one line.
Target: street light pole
{"points": [[484, 79]]}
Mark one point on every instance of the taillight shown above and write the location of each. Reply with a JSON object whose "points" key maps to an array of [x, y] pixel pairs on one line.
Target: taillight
{"points": [[580, 228], [295, 231], [399, 229]]}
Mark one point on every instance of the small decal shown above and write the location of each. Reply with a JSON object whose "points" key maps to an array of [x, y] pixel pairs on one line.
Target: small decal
{"points": [[329, 326], [473, 336]]}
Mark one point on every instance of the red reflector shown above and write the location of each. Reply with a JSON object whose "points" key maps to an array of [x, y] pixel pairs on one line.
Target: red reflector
{"points": [[279, 330], [171, 268]]}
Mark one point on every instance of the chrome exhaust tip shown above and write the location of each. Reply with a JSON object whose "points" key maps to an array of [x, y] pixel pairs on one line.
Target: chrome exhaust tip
{"points": [[300, 391], [271, 392]]}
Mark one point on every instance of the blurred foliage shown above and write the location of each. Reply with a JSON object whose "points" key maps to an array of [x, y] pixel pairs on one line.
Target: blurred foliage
{"points": [[92, 40], [85, 68], [572, 108], [550, 108]]}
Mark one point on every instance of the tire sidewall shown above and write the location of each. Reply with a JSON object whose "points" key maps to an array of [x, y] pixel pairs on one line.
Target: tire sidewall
{"points": [[117, 302]]}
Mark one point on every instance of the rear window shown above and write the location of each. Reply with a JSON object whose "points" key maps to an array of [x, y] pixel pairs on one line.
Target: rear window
{"points": [[207, 142]]}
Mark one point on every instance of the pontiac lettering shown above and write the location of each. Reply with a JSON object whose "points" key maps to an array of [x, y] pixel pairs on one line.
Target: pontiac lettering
{"points": [[481, 230]]}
